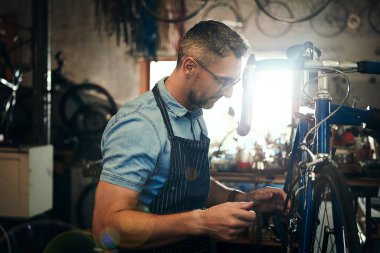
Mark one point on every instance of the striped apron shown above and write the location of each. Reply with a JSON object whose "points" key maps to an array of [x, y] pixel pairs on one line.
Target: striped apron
{"points": [[187, 186]]}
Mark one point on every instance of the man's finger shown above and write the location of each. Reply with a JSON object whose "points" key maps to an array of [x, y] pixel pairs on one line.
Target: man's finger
{"points": [[244, 205]]}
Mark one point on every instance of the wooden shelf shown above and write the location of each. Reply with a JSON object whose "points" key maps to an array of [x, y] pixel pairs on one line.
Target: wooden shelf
{"points": [[270, 176], [353, 174]]}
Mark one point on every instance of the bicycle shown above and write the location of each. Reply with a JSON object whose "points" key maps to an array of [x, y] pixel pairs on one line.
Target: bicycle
{"points": [[321, 217], [84, 110], [8, 72]]}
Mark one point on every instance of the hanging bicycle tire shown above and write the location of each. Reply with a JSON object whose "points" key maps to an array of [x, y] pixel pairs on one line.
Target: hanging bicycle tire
{"points": [[374, 16], [302, 10], [173, 11], [333, 202], [85, 206], [270, 27], [86, 108], [225, 13], [332, 21]]}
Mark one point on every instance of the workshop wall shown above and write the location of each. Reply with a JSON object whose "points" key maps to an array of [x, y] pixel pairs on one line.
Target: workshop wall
{"points": [[91, 54]]}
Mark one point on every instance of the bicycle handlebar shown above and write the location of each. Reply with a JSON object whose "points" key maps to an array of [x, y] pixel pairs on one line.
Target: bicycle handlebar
{"points": [[364, 67], [369, 67]]}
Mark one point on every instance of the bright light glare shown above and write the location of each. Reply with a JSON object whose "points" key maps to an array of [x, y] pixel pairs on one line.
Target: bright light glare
{"points": [[159, 69], [272, 104], [271, 112]]}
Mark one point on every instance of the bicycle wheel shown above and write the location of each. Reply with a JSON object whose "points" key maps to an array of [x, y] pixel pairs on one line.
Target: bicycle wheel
{"points": [[173, 11], [302, 10], [333, 204], [331, 21]]}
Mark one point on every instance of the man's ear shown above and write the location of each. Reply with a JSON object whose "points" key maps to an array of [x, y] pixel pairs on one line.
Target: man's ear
{"points": [[188, 67]]}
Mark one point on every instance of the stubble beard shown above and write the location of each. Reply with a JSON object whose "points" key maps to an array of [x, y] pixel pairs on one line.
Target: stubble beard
{"points": [[201, 103]]}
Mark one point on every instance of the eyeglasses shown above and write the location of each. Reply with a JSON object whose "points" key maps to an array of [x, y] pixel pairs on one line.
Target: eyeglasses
{"points": [[224, 81]]}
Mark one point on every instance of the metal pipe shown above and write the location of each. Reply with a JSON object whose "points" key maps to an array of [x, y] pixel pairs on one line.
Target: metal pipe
{"points": [[41, 72]]}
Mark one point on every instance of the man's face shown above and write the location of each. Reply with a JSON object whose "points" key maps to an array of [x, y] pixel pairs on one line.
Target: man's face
{"points": [[213, 81]]}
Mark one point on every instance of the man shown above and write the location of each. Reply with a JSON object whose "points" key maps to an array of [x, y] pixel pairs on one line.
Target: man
{"points": [[155, 190]]}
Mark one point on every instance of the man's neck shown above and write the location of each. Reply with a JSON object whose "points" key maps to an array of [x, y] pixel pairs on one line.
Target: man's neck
{"points": [[177, 88]]}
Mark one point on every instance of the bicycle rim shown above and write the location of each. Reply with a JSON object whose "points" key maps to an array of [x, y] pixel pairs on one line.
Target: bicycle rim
{"points": [[333, 204], [302, 10], [173, 11]]}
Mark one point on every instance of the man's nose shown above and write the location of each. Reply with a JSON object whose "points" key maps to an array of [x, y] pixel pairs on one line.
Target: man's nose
{"points": [[227, 92]]}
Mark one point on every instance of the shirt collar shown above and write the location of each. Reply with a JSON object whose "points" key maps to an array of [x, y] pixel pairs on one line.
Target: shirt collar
{"points": [[175, 107]]}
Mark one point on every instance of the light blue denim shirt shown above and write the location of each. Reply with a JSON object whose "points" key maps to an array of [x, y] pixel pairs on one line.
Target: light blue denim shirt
{"points": [[135, 144]]}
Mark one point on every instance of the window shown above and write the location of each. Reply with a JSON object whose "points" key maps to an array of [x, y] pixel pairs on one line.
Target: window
{"points": [[159, 69], [272, 104]]}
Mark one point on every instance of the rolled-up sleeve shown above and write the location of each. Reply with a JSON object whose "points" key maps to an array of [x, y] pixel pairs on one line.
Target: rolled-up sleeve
{"points": [[130, 149]]}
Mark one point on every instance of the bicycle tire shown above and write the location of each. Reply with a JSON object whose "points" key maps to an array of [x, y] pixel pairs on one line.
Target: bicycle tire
{"points": [[332, 21], [227, 10], [330, 182], [90, 120], [85, 206], [374, 16], [183, 13], [77, 99], [302, 10], [273, 28]]}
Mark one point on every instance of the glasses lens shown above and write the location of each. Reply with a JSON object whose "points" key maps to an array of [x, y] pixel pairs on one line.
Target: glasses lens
{"points": [[225, 82], [230, 82]]}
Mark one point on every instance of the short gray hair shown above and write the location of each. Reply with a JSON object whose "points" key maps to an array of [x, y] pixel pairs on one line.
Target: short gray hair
{"points": [[212, 36]]}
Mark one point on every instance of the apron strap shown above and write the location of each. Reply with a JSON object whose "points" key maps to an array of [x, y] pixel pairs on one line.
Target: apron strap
{"points": [[162, 105]]}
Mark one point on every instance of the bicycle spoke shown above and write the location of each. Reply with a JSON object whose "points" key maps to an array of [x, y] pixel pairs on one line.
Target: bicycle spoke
{"points": [[325, 235]]}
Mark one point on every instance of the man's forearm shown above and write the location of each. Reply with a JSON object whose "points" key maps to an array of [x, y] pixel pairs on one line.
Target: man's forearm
{"points": [[144, 230]]}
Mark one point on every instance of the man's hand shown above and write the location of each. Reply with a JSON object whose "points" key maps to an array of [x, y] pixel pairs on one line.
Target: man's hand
{"points": [[226, 221], [267, 199]]}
